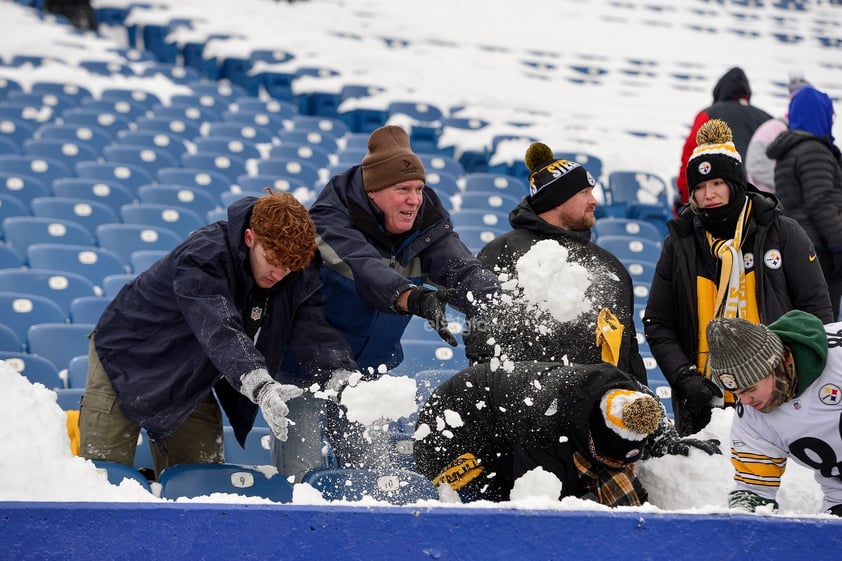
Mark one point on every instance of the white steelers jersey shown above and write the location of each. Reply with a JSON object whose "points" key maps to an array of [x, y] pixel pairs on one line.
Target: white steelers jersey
{"points": [[807, 429]]}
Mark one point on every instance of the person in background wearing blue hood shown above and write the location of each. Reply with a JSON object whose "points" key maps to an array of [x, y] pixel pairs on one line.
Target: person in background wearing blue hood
{"points": [[808, 180], [388, 252], [215, 315], [732, 104], [730, 253]]}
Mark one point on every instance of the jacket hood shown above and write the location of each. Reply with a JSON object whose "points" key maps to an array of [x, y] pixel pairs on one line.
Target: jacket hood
{"points": [[524, 216], [789, 139], [732, 85], [812, 111]]}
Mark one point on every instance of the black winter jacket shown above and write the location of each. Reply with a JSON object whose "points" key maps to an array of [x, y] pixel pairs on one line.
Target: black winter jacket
{"points": [[512, 422], [176, 331], [521, 335], [790, 278], [808, 182]]}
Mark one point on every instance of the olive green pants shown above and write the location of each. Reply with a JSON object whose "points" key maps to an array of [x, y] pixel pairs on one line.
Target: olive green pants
{"points": [[107, 434]]}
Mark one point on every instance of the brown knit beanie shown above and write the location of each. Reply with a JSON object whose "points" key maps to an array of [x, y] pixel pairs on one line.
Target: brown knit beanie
{"points": [[390, 160]]}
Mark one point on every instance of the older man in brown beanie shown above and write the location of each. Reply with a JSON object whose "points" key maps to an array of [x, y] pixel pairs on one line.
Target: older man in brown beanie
{"points": [[388, 252]]}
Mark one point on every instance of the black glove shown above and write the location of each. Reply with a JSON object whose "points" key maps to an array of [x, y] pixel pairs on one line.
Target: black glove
{"points": [[430, 305], [665, 441], [835, 510], [694, 396]]}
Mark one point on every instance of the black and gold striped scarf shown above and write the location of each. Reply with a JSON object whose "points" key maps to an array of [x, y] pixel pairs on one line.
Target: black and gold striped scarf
{"points": [[731, 293]]}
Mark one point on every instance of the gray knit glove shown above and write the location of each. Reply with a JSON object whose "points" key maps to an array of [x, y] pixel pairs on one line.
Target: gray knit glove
{"points": [[272, 398]]}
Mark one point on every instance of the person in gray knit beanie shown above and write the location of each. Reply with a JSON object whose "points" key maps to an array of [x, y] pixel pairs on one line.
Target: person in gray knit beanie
{"points": [[742, 353], [787, 377]]}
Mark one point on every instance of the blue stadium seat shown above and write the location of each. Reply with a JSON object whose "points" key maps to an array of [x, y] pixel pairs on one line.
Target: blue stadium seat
{"points": [[174, 72], [640, 271], [110, 122], [395, 486], [145, 258], [425, 112], [54, 101], [68, 152], [496, 182], [221, 88], [9, 257], [614, 225], [490, 201], [46, 170], [443, 183], [109, 192], [141, 97], [215, 103], [36, 369], [256, 183], [22, 231], [310, 153], [306, 173], [200, 201], [113, 284], [20, 310], [72, 91], [23, 187], [9, 340], [77, 371], [108, 68], [257, 450], [93, 263], [125, 108], [69, 399], [87, 309], [59, 342], [323, 140], [180, 220], [8, 146], [181, 128], [269, 122], [17, 130], [227, 199], [128, 175], [94, 137], [473, 218], [634, 187], [250, 133], [88, 213], [195, 114], [168, 142], [428, 355], [11, 206], [228, 165], [59, 286], [117, 473], [196, 480], [331, 126], [7, 86], [124, 239], [477, 237], [282, 110], [630, 248], [441, 164], [145, 157], [235, 146], [213, 182]]}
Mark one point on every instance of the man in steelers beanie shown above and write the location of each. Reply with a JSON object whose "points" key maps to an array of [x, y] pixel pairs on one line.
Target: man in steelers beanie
{"points": [[587, 424], [788, 377], [730, 253], [559, 208]]}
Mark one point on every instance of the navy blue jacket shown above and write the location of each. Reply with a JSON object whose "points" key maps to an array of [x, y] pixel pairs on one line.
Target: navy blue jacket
{"points": [[176, 331], [364, 269]]}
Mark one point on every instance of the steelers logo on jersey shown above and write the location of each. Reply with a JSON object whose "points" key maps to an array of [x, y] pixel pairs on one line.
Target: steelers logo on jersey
{"points": [[830, 394]]}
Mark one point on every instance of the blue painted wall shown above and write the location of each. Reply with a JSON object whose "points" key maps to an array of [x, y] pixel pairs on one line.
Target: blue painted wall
{"points": [[144, 532]]}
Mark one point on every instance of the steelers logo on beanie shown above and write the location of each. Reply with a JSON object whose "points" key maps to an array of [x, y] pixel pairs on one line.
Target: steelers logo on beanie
{"points": [[552, 180], [716, 157]]}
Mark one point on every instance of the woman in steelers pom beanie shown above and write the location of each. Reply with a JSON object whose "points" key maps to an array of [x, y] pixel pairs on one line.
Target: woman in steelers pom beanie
{"points": [[730, 252]]}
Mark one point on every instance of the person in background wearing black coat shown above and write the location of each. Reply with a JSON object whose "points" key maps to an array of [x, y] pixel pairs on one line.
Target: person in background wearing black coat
{"points": [[732, 104], [214, 316], [560, 207], [808, 180], [587, 424], [730, 253]]}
